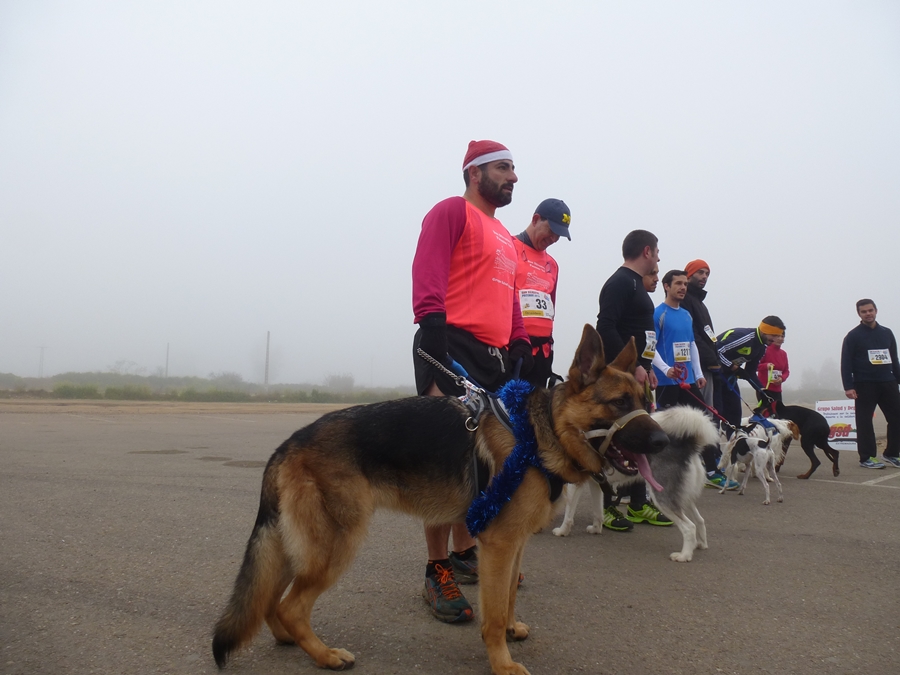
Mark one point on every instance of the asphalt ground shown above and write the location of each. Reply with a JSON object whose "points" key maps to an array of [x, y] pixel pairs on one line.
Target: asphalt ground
{"points": [[123, 527]]}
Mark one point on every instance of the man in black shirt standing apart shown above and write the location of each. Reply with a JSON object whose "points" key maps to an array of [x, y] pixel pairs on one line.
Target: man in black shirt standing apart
{"points": [[870, 373], [626, 311]]}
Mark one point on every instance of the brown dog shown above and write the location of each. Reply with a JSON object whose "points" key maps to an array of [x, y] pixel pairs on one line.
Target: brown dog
{"points": [[415, 455]]}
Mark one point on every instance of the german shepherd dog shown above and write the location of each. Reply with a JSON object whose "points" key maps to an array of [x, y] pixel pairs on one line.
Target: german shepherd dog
{"points": [[678, 470], [415, 455]]}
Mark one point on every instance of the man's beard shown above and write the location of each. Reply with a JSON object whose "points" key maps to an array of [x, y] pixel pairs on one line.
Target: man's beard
{"points": [[493, 192]]}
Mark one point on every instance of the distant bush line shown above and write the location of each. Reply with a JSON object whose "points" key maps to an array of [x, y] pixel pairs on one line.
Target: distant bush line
{"points": [[129, 388]]}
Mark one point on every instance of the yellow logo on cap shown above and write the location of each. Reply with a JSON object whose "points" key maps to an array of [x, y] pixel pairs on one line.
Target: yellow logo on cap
{"points": [[566, 218]]}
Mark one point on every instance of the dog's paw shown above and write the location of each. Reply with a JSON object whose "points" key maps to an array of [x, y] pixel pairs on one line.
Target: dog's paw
{"points": [[512, 669], [336, 659], [562, 530], [680, 556], [766, 502], [836, 470], [781, 499], [594, 529], [702, 545], [518, 631]]}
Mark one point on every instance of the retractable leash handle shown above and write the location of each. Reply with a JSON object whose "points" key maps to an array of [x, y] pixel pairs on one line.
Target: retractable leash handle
{"points": [[681, 376]]}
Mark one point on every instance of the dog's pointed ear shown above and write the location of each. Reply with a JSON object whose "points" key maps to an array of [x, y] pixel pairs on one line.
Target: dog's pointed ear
{"points": [[589, 361], [627, 358]]}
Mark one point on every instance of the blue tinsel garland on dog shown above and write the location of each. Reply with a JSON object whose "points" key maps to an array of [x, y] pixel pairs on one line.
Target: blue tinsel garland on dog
{"points": [[487, 505]]}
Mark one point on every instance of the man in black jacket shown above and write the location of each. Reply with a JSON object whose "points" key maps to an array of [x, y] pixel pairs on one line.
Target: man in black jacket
{"points": [[704, 333], [870, 373], [705, 339], [626, 312]]}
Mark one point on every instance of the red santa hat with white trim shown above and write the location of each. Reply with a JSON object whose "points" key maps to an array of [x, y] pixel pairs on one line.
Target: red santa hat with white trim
{"points": [[482, 152]]}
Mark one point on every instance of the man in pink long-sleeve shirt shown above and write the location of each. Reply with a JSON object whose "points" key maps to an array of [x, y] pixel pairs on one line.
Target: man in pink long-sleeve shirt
{"points": [[465, 304]]}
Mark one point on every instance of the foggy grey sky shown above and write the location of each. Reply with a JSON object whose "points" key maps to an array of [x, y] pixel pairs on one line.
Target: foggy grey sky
{"points": [[199, 173]]}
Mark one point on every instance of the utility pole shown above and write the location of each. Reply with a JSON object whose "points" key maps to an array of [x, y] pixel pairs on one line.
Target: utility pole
{"points": [[167, 360], [267, 362], [41, 364]]}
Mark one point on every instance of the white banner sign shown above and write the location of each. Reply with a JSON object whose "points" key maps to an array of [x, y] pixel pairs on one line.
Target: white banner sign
{"points": [[841, 416]]}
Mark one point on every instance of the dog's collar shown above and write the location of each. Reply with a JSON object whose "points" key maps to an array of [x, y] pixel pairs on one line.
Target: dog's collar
{"points": [[618, 425]]}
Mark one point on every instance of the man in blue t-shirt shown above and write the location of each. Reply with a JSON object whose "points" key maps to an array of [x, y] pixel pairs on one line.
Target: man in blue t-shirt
{"points": [[677, 360]]}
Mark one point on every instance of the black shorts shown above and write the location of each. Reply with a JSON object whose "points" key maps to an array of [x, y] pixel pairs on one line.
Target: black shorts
{"points": [[542, 351], [488, 367]]}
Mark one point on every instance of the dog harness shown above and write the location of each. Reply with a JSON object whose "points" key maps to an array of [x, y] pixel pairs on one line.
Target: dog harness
{"points": [[508, 406], [487, 505]]}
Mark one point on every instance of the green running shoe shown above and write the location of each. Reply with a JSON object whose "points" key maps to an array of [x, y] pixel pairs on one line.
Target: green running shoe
{"points": [[615, 521], [648, 514]]}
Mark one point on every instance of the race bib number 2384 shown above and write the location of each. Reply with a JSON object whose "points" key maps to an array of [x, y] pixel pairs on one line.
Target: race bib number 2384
{"points": [[879, 357]]}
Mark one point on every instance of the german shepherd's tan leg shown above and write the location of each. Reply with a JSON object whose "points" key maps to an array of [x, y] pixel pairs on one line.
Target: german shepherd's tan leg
{"points": [[322, 527], [279, 631], [496, 564], [294, 614], [515, 630]]}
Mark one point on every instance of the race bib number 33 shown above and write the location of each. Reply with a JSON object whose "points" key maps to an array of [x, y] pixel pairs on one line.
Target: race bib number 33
{"points": [[536, 304]]}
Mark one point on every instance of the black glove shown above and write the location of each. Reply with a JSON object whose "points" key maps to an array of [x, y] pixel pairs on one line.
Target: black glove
{"points": [[521, 349], [434, 336]]}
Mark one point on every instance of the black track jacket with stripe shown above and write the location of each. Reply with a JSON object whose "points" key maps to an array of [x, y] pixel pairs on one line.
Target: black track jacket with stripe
{"points": [[745, 346]]}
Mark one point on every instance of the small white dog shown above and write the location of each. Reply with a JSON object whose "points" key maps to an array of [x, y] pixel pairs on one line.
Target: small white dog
{"points": [[757, 456], [778, 432]]}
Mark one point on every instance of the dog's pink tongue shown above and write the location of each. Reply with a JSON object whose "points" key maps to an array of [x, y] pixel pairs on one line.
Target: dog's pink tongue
{"points": [[644, 467]]}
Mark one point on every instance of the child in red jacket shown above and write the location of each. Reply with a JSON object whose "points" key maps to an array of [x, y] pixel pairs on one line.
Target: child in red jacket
{"points": [[773, 369]]}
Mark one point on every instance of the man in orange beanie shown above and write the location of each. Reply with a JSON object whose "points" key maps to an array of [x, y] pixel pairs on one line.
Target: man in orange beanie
{"points": [[704, 333]]}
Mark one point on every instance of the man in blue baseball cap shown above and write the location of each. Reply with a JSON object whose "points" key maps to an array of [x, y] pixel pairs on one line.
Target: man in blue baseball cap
{"points": [[536, 277]]}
